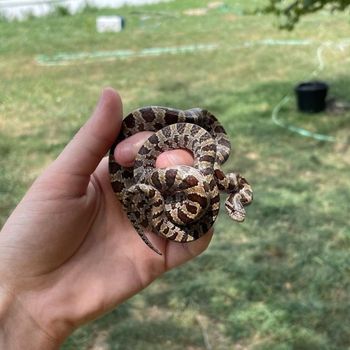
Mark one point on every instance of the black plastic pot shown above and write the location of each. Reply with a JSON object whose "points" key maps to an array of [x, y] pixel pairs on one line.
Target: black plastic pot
{"points": [[311, 96]]}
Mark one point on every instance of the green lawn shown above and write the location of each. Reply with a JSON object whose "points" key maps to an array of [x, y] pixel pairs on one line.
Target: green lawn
{"points": [[279, 281]]}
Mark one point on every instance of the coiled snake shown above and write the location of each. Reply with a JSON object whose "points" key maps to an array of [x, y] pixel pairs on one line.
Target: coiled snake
{"points": [[179, 203]]}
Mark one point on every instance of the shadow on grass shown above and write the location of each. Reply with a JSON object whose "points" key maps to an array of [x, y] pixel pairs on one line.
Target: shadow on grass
{"points": [[153, 334]]}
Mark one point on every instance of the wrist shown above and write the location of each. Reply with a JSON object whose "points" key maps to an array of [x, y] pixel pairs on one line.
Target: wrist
{"points": [[17, 328]]}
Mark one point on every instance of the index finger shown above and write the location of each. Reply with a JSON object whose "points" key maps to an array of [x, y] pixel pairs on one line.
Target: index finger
{"points": [[125, 152]]}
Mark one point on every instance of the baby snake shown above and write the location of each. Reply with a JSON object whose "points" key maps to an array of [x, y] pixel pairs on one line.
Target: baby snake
{"points": [[180, 203]]}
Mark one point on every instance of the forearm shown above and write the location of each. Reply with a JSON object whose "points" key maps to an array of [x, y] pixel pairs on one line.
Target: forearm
{"points": [[18, 330]]}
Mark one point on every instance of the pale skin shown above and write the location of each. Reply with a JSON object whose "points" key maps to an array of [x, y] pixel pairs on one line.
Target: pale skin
{"points": [[68, 253]]}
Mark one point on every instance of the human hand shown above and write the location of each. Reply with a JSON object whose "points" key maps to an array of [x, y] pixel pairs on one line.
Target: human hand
{"points": [[68, 252]]}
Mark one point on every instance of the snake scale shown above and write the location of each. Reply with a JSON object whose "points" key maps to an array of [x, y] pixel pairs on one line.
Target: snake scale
{"points": [[180, 203]]}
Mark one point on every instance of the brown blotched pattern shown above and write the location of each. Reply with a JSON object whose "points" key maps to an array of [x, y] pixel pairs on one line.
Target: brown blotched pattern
{"points": [[180, 203]]}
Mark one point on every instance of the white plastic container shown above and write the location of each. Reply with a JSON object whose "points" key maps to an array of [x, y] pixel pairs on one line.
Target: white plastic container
{"points": [[109, 24]]}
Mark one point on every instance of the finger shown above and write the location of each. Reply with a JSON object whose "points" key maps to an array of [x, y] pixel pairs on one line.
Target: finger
{"points": [[126, 151], [176, 157], [82, 155], [177, 253]]}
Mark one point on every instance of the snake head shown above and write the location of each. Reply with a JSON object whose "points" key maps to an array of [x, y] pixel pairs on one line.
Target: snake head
{"points": [[235, 208]]}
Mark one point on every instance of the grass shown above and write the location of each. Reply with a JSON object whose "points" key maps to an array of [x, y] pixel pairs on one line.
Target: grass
{"points": [[278, 281]]}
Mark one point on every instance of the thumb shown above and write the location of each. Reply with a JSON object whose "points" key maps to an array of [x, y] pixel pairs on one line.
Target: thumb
{"points": [[85, 151]]}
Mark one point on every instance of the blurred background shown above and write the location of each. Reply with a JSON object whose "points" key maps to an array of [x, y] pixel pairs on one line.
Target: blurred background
{"points": [[281, 280]]}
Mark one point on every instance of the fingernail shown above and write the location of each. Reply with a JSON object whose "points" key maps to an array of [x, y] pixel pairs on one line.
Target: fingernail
{"points": [[173, 158]]}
